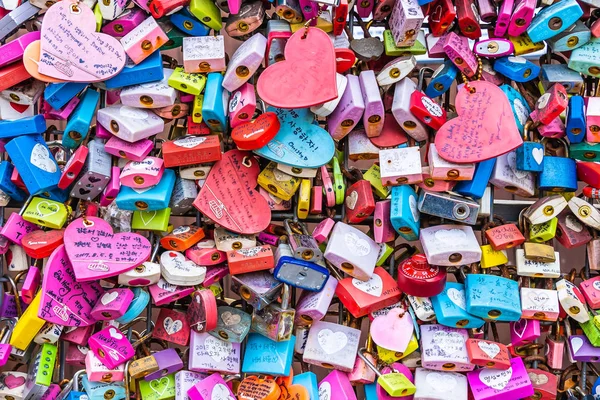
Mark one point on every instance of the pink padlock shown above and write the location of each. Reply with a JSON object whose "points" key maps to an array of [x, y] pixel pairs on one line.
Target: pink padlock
{"points": [[313, 306], [184, 380], [113, 304], [590, 288], [102, 132], [31, 284], [323, 229], [383, 231], [98, 372], [76, 355], [336, 385], [213, 387], [458, 50], [142, 174], [13, 51], [125, 23], [524, 331], [215, 274], [63, 113], [16, 227], [78, 335], [164, 293], [144, 40], [111, 347], [374, 114], [498, 384], [112, 188], [135, 151], [209, 353], [242, 105], [521, 17]]}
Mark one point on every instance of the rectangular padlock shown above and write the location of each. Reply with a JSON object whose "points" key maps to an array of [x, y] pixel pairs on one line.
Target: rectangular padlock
{"points": [[400, 166], [445, 349], [324, 346], [541, 304], [128, 123], [95, 174], [191, 150], [495, 384], [144, 40], [250, 259], [405, 21]]}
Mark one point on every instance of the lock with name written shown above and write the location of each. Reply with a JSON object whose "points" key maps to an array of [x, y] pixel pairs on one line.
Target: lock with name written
{"points": [[492, 297]]}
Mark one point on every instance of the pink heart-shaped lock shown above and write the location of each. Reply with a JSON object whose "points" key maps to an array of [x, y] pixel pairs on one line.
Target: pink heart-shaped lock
{"points": [[307, 75], [393, 330], [64, 300], [96, 252], [71, 50], [485, 127], [229, 198]]}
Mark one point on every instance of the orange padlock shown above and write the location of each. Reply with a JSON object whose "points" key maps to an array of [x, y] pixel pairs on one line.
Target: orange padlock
{"points": [[182, 238], [257, 388]]}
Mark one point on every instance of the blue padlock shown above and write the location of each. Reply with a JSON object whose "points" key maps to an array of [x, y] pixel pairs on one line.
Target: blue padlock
{"points": [[530, 155], [80, 120], [101, 390], [519, 106], [492, 297], [442, 79], [575, 123], [35, 162], [476, 187], [24, 126], [559, 173], [149, 70], [450, 308], [371, 391], [56, 194], [264, 356], [137, 305], [298, 273], [187, 23], [309, 381], [213, 107], [153, 198], [517, 68], [7, 186], [554, 19], [561, 73], [404, 213], [59, 94]]}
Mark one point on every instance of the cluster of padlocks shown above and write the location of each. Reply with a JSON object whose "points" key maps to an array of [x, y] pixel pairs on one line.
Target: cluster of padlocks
{"points": [[299, 200]]}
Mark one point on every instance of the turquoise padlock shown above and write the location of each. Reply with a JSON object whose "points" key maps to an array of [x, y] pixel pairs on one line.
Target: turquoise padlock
{"points": [[264, 356], [101, 390], [309, 381], [404, 213], [213, 110], [137, 305], [151, 199], [492, 297], [450, 308]]}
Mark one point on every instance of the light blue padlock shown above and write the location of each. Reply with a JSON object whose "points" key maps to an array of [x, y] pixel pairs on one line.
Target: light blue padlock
{"points": [[560, 73], [149, 70], [264, 356], [59, 94], [73, 387], [586, 59], [309, 381], [517, 68], [186, 22], [6, 185], [80, 121], [476, 187], [35, 162], [559, 173], [493, 297], [299, 143], [450, 308], [371, 391], [519, 106], [137, 305], [442, 79], [215, 99], [530, 155], [101, 390], [574, 37], [575, 123], [554, 19], [24, 126], [404, 214], [153, 198]]}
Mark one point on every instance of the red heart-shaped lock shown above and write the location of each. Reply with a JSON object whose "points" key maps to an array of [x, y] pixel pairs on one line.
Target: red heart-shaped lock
{"points": [[40, 244], [344, 60], [256, 134], [229, 198]]}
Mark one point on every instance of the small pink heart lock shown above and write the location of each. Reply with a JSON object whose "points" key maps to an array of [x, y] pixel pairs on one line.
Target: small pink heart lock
{"points": [[97, 253], [393, 330], [72, 51]]}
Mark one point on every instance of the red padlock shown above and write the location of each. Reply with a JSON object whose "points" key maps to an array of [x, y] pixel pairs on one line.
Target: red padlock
{"points": [[417, 277]]}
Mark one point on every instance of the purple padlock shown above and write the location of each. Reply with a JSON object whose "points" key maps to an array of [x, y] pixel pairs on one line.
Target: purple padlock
{"points": [[313, 306], [168, 362]]}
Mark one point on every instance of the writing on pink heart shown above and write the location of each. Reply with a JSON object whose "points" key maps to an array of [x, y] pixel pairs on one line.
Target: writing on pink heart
{"points": [[96, 252], [65, 301], [71, 50]]}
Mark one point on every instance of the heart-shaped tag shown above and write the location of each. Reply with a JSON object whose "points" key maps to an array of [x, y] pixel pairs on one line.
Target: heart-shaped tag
{"points": [[228, 196], [307, 75], [250, 386], [96, 252], [65, 301], [494, 378], [491, 349], [397, 321], [373, 287], [72, 50], [172, 327], [255, 134], [175, 268], [332, 342], [13, 382], [299, 142], [485, 127], [457, 297]]}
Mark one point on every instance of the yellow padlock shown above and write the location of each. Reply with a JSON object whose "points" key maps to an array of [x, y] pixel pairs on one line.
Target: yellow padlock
{"points": [[390, 356], [28, 325], [492, 258], [304, 199]]}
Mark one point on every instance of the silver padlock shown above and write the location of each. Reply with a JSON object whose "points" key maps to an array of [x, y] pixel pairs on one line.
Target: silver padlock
{"points": [[304, 246]]}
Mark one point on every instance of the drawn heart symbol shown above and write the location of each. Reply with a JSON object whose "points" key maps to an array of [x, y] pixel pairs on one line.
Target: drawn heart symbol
{"points": [[485, 127], [576, 344], [13, 382], [538, 379], [51, 208], [373, 287], [538, 155], [331, 342], [228, 196], [230, 319], [299, 143], [398, 321], [109, 297], [172, 327], [71, 49], [40, 244], [436, 15], [457, 297], [256, 134], [113, 254], [491, 349], [519, 327], [150, 214], [351, 200], [20, 108], [115, 334], [65, 301], [495, 379], [218, 349], [160, 385], [307, 75], [538, 297]]}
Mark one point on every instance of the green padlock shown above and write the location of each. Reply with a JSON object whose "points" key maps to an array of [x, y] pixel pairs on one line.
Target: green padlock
{"points": [[392, 50], [540, 233], [591, 329], [48, 213], [157, 221], [395, 384], [187, 83], [585, 151], [384, 252], [175, 39], [158, 389], [373, 175], [207, 12]]}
